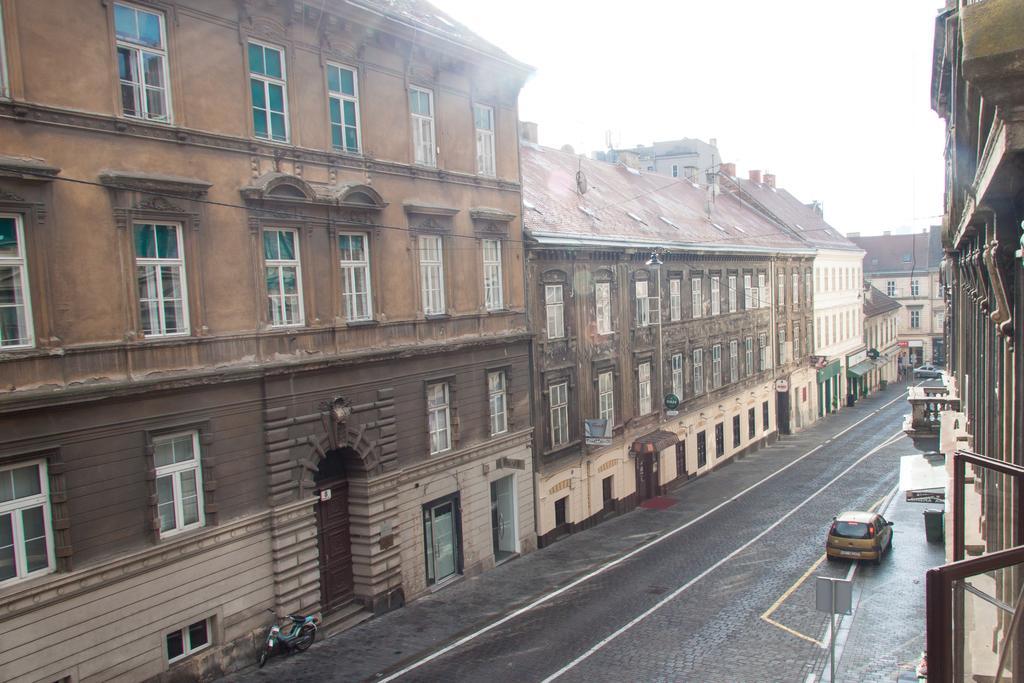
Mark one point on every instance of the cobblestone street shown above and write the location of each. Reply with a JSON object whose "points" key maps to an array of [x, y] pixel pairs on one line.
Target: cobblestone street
{"points": [[688, 606]]}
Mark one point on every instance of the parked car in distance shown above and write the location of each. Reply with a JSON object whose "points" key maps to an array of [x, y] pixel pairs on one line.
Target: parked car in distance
{"points": [[927, 372], [859, 535]]}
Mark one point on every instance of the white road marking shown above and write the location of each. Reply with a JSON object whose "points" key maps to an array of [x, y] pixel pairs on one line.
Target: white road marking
{"points": [[679, 591], [605, 567]]}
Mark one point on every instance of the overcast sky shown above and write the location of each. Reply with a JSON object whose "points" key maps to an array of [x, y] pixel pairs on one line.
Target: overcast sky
{"points": [[831, 96]]}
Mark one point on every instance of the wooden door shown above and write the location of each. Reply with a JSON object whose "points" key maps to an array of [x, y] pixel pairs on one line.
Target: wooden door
{"points": [[646, 477], [336, 582]]}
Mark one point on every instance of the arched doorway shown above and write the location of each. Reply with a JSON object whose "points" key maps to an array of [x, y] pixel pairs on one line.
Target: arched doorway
{"points": [[334, 541]]}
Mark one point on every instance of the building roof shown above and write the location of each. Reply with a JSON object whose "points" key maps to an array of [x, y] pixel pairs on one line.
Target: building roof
{"points": [[424, 16], [876, 302], [804, 220], [901, 254], [625, 207]]}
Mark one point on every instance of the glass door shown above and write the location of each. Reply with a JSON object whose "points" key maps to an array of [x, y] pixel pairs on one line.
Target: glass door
{"points": [[503, 518], [441, 542]]}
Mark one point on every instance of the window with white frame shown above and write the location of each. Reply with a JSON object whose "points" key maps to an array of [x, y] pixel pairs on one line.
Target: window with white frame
{"points": [[716, 296], [188, 640], [734, 360], [15, 305], [421, 109], [354, 261], [797, 341], [643, 374], [675, 299], [26, 536], [696, 296], [808, 281], [698, 371], [782, 289], [915, 318], [160, 273], [762, 345], [762, 291], [915, 288], [677, 375], [748, 348], [141, 62], [782, 344], [496, 397], [431, 274], [494, 297], [732, 293], [606, 397], [554, 310], [483, 120], [268, 87], [558, 400], [343, 100], [439, 419], [643, 309], [283, 277], [716, 366], [179, 482], [603, 307], [796, 289], [890, 288], [748, 294]]}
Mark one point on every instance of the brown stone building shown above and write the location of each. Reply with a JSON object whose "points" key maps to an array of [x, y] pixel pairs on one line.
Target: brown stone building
{"points": [[646, 374], [263, 338]]}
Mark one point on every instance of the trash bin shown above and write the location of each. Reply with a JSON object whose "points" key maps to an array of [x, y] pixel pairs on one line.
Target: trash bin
{"points": [[850, 398], [933, 526]]}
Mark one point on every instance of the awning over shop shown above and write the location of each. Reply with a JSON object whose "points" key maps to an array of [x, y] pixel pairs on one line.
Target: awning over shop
{"points": [[861, 368], [923, 477], [654, 442], [829, 371]]}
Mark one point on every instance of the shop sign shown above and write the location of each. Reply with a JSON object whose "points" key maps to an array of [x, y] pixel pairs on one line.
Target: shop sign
{"points": [[597, 432], [926, 496], [782, 385], [511, 464], [916, 344], [903, 344], [855, 358]]}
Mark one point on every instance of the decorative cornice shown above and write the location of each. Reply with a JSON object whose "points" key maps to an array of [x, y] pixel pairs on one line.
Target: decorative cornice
{"points": [[27, 169], [191, 188], [428, 209]]}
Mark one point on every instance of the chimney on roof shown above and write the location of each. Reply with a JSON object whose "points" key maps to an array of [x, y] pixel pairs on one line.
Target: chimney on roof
{"points": [[728, 169], [755, 176], [769, 179], [528, 131], [630, 158], [887, 233], [817, 208]]}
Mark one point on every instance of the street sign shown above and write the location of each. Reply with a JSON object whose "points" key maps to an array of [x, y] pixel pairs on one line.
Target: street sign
{"points": [[671, 401], [824, 595], [782, 385], [873, 354], [325, 495], [926, 496], [597, 432]]}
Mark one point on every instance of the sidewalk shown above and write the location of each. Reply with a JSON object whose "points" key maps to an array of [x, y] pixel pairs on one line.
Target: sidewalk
{"points": [[430, 622]]}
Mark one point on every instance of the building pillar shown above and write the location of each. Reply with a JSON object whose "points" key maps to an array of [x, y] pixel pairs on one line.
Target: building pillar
{"points": [[376, 543]]}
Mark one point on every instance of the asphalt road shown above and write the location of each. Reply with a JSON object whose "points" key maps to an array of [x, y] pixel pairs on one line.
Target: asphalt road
{"points": [[689, 606]]}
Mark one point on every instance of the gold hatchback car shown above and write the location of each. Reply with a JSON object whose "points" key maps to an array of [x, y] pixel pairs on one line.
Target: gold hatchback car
{"points": [[859, 536]]}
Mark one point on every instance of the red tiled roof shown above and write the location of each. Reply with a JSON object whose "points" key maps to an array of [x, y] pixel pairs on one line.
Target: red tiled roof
{"points": [[901, 253], [625, 206]]}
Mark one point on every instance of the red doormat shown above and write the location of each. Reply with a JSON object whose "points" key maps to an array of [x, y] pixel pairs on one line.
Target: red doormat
{"points": [[659, 503]]}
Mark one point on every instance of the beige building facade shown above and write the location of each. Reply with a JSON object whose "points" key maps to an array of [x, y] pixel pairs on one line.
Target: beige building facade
{"points": [[263, 336]]}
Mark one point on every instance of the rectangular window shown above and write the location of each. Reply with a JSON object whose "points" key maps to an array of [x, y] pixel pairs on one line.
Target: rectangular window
{"points": [[782, 345], [677, 375], [734, 361], [496, 396], [748, 294], [751, 424], [716, 366], [421, 109], [675, 170], [782, 289], [890, 288], [160, 272], [554, 308], [606, 397], [644, 388], [15, 306], [702, 449], [558, 395], [26, 541], [675, 299], [915, 318], [483, 119], [764, 415], [439, 419], [643, 309], [179, 482], [796, 289], [494, 297], [762, 344], [698, 371], [762, 292], [431, 274], [735, 431], [807, 287], [695, 294], [719, 440], [797, 342], [283, 277], [141, 63], [343, 100], [748, 347], [603, 307], [716, 296], [732, 293], [188, 640], [268, 86], [915, 288], [354, 260]]}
